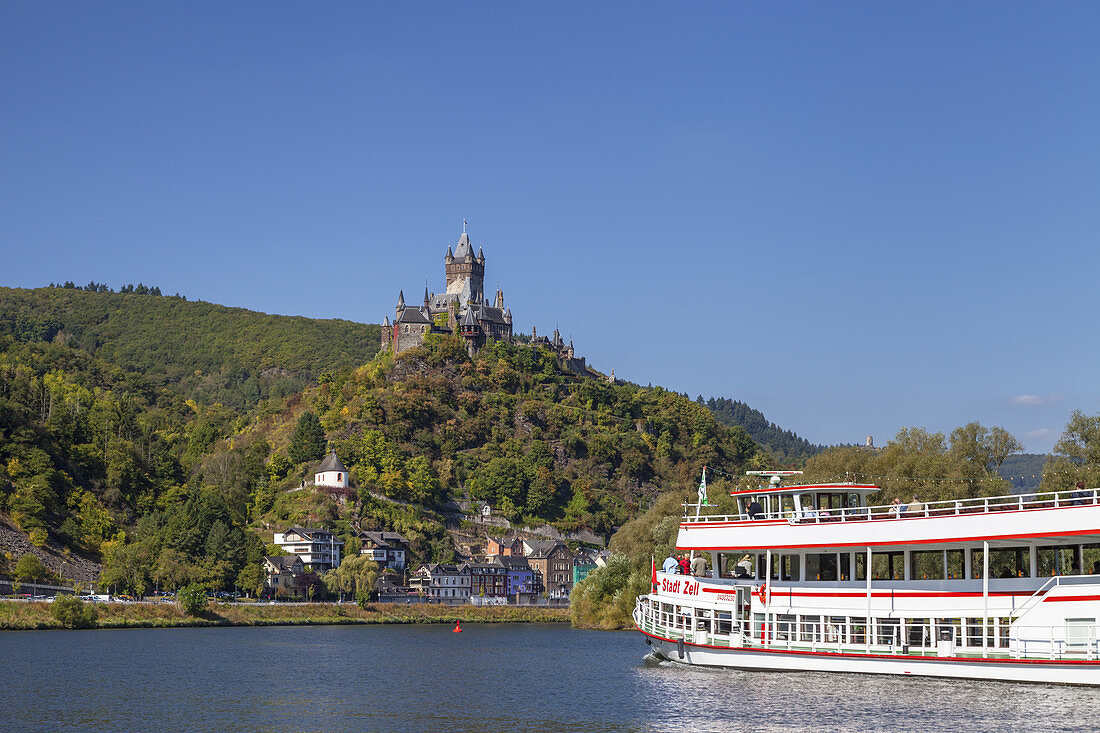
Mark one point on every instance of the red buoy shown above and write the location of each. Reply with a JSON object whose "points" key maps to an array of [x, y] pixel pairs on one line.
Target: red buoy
{"points": [[457, 629]]}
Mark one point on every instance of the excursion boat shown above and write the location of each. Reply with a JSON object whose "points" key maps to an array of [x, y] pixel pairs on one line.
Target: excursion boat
{"points": [[816, 577]]}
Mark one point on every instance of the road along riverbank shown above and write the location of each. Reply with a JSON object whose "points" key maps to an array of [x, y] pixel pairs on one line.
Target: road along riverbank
{"points": [[19, 615]]}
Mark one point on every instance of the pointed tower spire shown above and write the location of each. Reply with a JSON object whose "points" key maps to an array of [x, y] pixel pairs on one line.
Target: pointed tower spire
{"points": [[401, 299], [425, 296]]}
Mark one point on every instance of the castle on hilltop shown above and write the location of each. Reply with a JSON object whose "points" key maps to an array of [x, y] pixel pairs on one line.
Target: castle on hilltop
{"points": [[462, 309]]}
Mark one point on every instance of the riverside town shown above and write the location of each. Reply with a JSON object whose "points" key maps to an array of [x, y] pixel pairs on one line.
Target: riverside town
{"points": [[364, 365]]}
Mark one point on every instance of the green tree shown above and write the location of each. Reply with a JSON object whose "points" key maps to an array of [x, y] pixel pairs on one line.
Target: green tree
{"points": [[1076, 455], [127, 567], [72, 613], [355, 575], [192, 599], [307, 443], [30, 568], [251, 578]]}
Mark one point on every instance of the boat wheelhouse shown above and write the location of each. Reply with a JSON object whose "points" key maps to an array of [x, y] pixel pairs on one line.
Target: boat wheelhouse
{"points": [[817, 577]]}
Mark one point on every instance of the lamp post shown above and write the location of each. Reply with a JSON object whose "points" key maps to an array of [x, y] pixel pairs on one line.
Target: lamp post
{"points": [[61, 575]]}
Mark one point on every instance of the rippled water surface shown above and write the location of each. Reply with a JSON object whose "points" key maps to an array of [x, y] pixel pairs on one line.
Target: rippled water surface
{"points": [[495, 678]]}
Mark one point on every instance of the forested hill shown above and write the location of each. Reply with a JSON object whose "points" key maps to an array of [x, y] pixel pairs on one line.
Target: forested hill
{"points": [[97, 461], [784, 444], [208, 352]]}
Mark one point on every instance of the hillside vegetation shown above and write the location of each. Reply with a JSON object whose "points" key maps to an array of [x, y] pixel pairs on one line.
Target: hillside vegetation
{"points": [[169, 478], [784, 445], [207, 352]]}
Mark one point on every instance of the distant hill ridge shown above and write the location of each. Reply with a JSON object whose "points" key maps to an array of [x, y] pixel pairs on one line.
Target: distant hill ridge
{"points": [[213, 352], [786, 445]]}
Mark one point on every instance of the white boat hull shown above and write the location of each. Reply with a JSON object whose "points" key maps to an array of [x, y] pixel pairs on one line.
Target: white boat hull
{"points": [[783, 660]]}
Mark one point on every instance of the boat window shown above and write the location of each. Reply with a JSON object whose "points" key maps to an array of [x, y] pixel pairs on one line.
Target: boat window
{"points": [[784, 627], [811, 628], [974, 632], [790, 567], [1056, 560], [884, 566], [857, 629], [889, 630], [1004, 562], [786, 502], [821, 566], [926, 564], [955, 563], [918, 632], [1090, 559], [854, 501], [844, 567]]}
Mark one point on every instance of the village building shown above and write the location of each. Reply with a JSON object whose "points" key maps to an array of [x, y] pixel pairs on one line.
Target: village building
{"points": [[521, 578], [388, 549], [554, 562], [441, 583], [319, 549], [281, 575], [488, 578], [503, 546], [331, 473]]}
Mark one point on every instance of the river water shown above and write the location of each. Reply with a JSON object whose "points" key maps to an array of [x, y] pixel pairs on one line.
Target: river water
{"points": [[490, 677]]}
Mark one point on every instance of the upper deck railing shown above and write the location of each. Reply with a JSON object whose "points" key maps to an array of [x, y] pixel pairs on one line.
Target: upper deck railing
{"points": [[1017, 502]]}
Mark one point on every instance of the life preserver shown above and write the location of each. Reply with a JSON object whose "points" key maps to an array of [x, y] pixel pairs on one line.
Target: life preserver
{"points": [[762, 592]]}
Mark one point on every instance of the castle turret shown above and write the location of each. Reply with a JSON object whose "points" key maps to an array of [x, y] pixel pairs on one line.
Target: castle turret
{"points": [[471, 330], [465, 268], [425, 300], [387, 334], [500, 299]]}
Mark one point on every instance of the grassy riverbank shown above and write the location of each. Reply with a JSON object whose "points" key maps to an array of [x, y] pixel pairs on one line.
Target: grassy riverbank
{"points": [[15, 615]]}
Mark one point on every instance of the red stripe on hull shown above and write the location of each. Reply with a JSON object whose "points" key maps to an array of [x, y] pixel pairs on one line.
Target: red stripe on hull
{"points": [[966, 660]]}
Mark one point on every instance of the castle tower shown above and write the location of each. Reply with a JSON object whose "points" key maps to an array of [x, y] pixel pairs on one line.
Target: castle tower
{"points": [[465, 270], [471, 331]]}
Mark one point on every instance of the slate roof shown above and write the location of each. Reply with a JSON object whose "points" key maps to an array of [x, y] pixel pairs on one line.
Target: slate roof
{"points": [[309, 532], [464, 251], [284, 564], [541, 548], [514, 562], [383, 539], [469, 319], [412, 315], [331, 463]]}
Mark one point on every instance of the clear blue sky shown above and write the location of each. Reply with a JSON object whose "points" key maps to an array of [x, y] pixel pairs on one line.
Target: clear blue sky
{"points": [[853, 216]]}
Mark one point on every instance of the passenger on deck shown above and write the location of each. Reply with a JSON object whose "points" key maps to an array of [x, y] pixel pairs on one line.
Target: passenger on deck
{"points": [[670, 565], [1081, 495], [685, 566], [809, 513], [916, 509], [755, 509], [824, 511], [743, 568], [699, 566], [896, 508]]}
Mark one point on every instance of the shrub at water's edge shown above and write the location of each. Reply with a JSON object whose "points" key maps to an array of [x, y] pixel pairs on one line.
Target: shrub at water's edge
{"points": [[605, 599], [73, 613]]}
